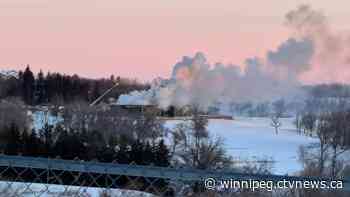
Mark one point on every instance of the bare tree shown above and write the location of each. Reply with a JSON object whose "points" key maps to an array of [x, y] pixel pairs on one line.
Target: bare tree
{"points": [[14, 111], [194, 147], [338, 126], [322, 135], [179, 137], [297, 122], [331, 130], [276, 123], [308, 122], [113, 123], [309, 160], [149, 127]]}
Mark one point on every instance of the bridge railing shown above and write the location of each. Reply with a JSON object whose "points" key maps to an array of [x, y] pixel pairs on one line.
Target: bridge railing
{"points": [[39, 176]]}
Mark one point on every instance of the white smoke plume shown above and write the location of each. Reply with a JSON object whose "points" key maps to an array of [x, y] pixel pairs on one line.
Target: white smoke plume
{"points": [[332, 47], [195, 82], [293, 56]]}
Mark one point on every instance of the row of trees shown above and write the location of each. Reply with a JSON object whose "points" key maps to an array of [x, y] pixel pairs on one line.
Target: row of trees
{"points": [[262, 109], [328, 119], [334, 90], [92, 132], [56, 88], [332, 129], [96, 133], [132, 139], [58, 142]]}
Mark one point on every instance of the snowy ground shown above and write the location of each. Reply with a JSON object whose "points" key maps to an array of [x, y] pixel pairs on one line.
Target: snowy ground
{"points": [[40, 118], [254, 139], [251, 139], [49, 190]]}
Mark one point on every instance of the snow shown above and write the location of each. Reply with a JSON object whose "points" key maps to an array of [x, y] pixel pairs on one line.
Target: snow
{"points": [[42, 117], [251, 139], [135, 98], [51, 190], [254, 139], [8, 73]]}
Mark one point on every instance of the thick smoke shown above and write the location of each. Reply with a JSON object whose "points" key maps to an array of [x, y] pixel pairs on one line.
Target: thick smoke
{"points": [[195, 82], [314, 25], [293, 55], [332, 48]]}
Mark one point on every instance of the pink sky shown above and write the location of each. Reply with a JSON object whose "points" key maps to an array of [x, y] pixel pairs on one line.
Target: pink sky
{"points": [[142, 39]]}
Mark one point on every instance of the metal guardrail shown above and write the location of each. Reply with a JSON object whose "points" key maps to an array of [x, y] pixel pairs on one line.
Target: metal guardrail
{"points": [[148, 175]]}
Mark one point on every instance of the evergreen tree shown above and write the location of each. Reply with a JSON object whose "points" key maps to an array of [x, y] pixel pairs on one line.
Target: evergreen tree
{"points": [[95, 145], [25, 139], [107, 154], [47, 138], [40, 88], [96, 92], [69, 145], [14, 143], [122, 155], [162, 156], [136, 152], [60, 148], [28, 82], [30, 143], [148, 156]]}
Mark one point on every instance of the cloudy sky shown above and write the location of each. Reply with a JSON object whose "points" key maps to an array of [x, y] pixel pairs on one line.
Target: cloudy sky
{"points": [[143, 39]]}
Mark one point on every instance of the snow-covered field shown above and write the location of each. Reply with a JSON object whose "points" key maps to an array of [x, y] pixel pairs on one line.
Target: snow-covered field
{"points": [[254, 139], [251, 139]]}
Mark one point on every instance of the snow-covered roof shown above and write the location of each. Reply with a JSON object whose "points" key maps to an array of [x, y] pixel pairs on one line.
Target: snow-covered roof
{"points": [[8, 73]]}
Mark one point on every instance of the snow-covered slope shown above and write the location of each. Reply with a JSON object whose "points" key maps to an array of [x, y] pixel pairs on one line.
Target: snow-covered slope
{"points": [[254, 139]]}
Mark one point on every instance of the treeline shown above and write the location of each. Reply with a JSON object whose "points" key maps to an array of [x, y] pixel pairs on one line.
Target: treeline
{"points": [[329, 121], [93, 132], [334, 90], [87, 133], [57, 142], [322, 97], [281, 106], [59, 89]]}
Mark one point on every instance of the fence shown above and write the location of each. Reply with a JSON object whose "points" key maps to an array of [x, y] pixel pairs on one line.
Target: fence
{"points": [[30, 176]]}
